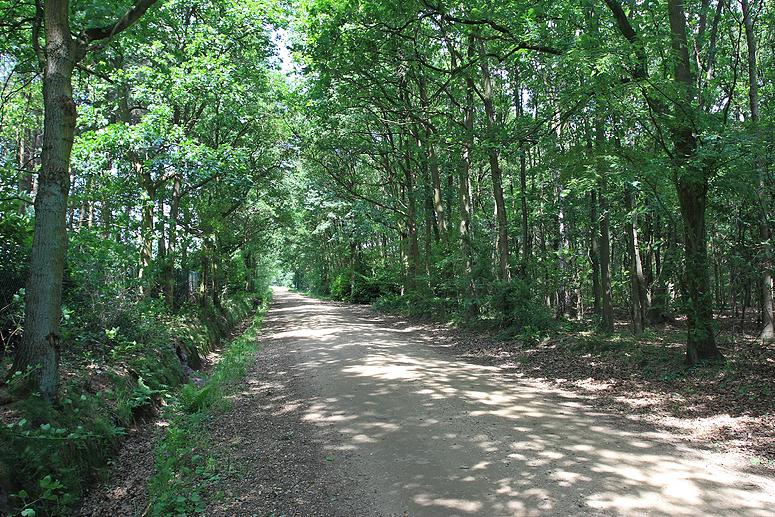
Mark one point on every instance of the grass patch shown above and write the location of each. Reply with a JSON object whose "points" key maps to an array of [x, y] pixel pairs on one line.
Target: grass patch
{"points": [[184, 468]]}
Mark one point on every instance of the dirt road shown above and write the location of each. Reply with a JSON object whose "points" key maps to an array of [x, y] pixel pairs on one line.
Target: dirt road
{"points": [[346, 413]]}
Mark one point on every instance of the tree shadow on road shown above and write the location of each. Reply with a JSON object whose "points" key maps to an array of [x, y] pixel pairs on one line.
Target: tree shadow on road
{"points": [[434, 435]]}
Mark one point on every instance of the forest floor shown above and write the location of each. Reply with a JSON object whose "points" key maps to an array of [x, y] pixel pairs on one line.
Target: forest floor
{"points": [[348, 412], [729, 406]]}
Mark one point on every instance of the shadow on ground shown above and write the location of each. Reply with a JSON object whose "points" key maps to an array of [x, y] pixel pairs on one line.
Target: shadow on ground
{"points": [[432, 435]]}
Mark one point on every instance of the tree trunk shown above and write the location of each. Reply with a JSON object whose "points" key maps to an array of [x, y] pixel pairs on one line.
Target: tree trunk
{"points": [[502, 240], [172, 244], [607, 310], [413, 251], [433, 165], [768, 318], [471, 307], [25, 154], [527, 248], [594, 251], [637, 279], [413, 247], [701, 342], [146, 229], [564, 302], [691, 180], [39, 350]]}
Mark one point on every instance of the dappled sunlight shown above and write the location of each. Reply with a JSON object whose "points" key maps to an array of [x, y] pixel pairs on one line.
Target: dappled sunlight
{"points": [[436, 435]]}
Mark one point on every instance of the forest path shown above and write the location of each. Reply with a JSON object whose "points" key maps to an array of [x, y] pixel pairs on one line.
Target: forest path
{"points": [[346, 413]]}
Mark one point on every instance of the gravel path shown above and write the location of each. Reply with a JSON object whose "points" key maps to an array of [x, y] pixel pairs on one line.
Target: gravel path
{"points": [[345, 413]]}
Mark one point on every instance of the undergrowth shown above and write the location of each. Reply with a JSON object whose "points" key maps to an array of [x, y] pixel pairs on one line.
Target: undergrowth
{"points": [[184, 468], [51, 453]]}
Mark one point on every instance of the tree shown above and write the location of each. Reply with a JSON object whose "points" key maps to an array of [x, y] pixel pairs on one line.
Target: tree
{"points": [[62, 53], [763, 194], [691, 173]]}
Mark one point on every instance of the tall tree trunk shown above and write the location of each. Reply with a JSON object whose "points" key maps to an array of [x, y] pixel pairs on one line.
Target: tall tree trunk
{"points": [[163, 253], [172, 244], [502, 240], [25, 154], [413, 247], [204, 284], [607, 309], [146, 228], [465, 194], [564, 302], [689, 174], [433, 165], [594, 251], [527, 244], [39, 349], [527, 248], [691, 180], [768, 317], [637, 279]]}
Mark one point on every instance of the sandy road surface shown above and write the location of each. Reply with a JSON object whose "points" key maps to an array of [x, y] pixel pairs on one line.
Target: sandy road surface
{"points": [[348, 414]]}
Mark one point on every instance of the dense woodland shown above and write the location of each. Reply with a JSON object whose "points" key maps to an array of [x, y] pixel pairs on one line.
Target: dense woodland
{"points": [[494, 161], [504, 165]]}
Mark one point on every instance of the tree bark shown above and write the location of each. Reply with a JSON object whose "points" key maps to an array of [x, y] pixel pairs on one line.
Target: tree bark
{"points": [[146, 228], [433, 165], [637, 279], [39, 350], [527, 248], [172, 244], [607, 309], [25, 153], [564, 301], [413, 247], [502, 240], [768, 317], [691, 180], [594, 251]]}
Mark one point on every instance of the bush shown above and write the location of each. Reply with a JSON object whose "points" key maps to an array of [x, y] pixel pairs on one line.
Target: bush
{"points": [[514, 305], [367, 289], [359, 288], [340, 286]]}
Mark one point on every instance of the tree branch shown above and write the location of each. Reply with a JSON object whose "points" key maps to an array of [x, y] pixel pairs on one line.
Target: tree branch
{"points": [[127, 20]]}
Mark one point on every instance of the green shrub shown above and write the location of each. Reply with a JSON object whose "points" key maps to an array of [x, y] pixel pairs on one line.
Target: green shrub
{"points": [[54, 452], [340, 286], [367, 289], [514, 305]]}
